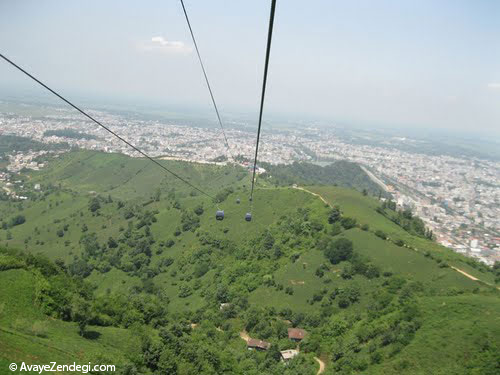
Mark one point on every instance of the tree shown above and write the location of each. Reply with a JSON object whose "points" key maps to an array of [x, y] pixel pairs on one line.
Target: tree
{"points": [[90, 244], [17, 220], [189, 221], [334, 215], [268, 240], [199, 210], [347, 271], [274, 353], [167, 363], [348, 222], [94, 205], [112, 243], [80, 268], [281, 329], [339, 250], [80, 311]]}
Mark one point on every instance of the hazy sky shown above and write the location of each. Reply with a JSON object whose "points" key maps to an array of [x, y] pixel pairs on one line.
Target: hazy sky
{"points": [[421, 63]]}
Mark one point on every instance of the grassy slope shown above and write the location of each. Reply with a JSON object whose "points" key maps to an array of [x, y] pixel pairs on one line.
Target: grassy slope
{"points": [[85, 171], [363, 208], [61, 342], [451, 331]]}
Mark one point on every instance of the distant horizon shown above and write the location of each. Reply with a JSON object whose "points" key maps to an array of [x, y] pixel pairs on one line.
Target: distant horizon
{"points": [[145, 106], [407, 65]]}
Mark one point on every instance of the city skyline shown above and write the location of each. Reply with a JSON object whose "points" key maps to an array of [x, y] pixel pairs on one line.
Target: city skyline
{"points": [[456, 195], [408, 65]]}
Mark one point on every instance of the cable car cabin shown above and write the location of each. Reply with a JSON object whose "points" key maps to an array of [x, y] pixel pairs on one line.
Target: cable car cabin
{"points": [[248, 216], [238, 201], [219, 215]]}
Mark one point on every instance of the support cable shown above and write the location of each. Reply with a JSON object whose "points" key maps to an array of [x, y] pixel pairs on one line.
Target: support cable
{"points": [[107, 129], [268, 51], [207, 81]]}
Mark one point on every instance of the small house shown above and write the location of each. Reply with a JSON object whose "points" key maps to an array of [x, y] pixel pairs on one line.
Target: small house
{"points": [[258, 344], [287, 355], [296, 334]]}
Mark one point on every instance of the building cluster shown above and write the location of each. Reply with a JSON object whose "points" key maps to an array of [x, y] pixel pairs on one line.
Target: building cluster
{"points": [[294, 334], [457, 197], [11, 187], [27, 160]]}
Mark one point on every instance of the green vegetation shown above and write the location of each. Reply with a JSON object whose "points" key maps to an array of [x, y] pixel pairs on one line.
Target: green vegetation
{"points": [[121, 260], [341, 173], [9, 143]]}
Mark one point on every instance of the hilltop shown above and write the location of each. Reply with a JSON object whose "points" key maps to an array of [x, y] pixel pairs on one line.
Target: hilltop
{"points": [[134, 266]]}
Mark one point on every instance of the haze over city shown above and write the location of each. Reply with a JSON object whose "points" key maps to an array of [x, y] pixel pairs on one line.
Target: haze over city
{"points": [[407, 64], [345, 221]]}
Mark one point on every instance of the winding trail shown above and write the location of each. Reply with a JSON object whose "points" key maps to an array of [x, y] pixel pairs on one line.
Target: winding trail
{"points": [[454, 268], [321, 365], [315, 194]]}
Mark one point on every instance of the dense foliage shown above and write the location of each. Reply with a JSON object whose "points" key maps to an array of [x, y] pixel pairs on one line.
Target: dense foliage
{"points": [[341, 173], [151, 261]]}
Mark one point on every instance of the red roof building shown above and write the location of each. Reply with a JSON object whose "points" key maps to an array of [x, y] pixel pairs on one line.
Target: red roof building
{"points": [[258, 344], [296, 334]]}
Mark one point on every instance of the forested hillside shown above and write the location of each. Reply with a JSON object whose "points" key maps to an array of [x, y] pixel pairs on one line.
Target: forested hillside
{"points": [[9, 143], [340, 173], [114, 262]]}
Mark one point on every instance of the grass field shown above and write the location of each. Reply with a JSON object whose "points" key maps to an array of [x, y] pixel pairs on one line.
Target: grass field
{"points": [[354, 204], [73, 180], [30, 336]]}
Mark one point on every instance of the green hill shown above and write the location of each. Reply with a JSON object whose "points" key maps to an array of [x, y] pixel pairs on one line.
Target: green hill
{"points": [[340, 173], [134, 266]]}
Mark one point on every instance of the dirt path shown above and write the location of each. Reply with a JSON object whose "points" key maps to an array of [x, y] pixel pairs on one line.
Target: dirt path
{"points": [[244, 335], [321, 365], [315, 194], [454, 268], [465, 274]]}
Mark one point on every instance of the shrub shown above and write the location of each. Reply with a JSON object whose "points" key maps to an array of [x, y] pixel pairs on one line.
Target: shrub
{"points": [[334, 216], [348, 222], [94, 205], [339, 250], [17, 220], [199, 210]]}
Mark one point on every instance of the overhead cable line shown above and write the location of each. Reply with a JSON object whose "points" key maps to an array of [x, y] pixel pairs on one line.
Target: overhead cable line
{"points": [[206, 80], [266, 65], [106, 128]]}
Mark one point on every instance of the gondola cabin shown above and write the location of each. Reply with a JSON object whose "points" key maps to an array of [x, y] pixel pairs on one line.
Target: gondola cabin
{"points": [[238, 201], [219, 215], [248, 216]]}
